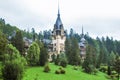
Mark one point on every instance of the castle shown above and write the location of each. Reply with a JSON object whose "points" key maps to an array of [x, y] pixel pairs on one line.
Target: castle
{"points": [[58, 38], [57, 44]]}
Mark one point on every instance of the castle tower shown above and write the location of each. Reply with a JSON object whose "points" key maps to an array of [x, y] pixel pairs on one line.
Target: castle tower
{"points": [[58, 35], [82, 45]]}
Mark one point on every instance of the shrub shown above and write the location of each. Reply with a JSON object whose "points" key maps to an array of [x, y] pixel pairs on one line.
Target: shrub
{"points": [[63, 63], [47, 68], [13, 64], [103, 69], [113, 72], [57, 72], [75, 68], [57, 60], [62, 71], [12, 71], [95, 71]]}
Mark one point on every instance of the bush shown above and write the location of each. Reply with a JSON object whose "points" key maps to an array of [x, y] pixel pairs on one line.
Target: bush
{"points": [[13, 64], [62, 71], [63, 63], [57, 60], [103, 69], [75, 68], [113, 72], [12, 71], [95, 71], [57, 72], [47, 68]]}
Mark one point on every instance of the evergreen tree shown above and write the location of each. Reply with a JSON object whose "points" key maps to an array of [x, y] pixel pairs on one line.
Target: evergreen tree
{"points": [[90, 60], [43, 56], [33, 54], [112, 58], [68, 49], [17, 41], [63, 60], [14, 64], [72, 51], [109, 70], [117, 65]]}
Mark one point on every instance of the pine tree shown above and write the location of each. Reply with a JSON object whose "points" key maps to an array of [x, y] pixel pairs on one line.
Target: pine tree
{"points": [[112, 58], [17, 41], [117, 65], [90, 60], [72, 51], [43, 56]]}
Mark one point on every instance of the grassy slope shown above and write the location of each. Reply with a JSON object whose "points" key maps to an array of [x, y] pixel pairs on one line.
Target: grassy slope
{"points": [[36, 73]]}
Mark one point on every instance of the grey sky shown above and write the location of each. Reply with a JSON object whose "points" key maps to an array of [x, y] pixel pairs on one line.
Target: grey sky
{"points": [[98, 17]]}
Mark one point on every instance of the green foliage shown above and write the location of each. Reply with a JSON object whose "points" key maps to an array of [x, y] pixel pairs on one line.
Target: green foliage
{"points": [[60, 71], [109, 70], [75, 68], [72, 51], [63, 62], [103, 69], [103, 56], [17, 41], [3, 43], [13, 64], [57, 72], [12, 71], [7, 29], [47, 68], [43, 56], [112, 58], [90, 60], [53, 57], [117, 65], [57, 60], [33, 54]]}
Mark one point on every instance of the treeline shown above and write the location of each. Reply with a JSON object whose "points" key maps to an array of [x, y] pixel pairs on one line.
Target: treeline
{"points": [[99, 51], [110, 44]]}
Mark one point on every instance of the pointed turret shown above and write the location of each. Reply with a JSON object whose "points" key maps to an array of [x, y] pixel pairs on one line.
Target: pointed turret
{"points": [[82, 45], [82, 36], [58, 24], [82, 32]]}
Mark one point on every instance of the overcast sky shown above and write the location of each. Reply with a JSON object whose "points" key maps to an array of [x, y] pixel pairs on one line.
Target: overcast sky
{"points": [[98, 17]]}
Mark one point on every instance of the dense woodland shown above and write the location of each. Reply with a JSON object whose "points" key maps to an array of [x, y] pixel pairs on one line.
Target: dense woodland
{"points": [[109, 43], [103, 51]]}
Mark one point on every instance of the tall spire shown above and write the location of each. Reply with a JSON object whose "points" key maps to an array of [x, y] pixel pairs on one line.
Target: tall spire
{"points": [[58, 20], [58, 9], [82, 31]]}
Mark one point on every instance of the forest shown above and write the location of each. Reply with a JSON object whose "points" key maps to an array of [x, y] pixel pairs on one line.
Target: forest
{"points": [[100, 52]]}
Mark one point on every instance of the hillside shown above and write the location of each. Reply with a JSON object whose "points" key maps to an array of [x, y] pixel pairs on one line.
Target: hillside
{"points": [[36, 73]]}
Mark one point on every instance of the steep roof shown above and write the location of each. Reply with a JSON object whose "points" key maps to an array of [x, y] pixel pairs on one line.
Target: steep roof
{"points": [[58, 21]]}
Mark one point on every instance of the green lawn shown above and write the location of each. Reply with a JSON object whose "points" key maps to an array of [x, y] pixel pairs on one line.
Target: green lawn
{"points": [[36, 73]]}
